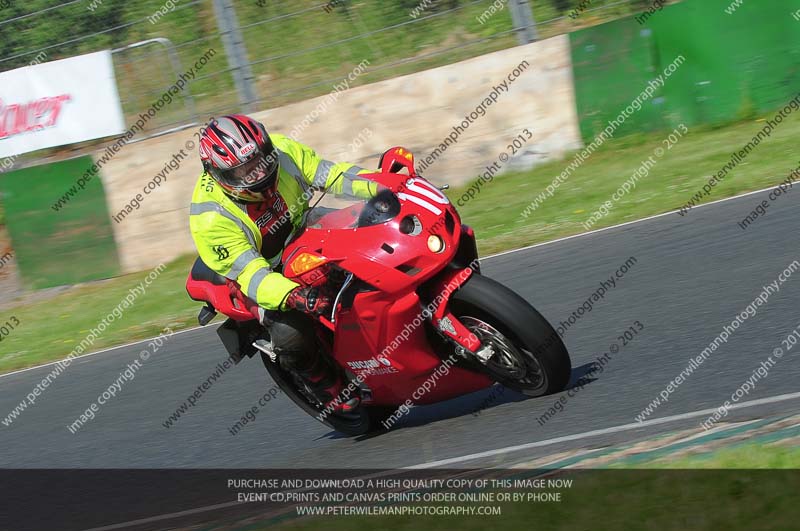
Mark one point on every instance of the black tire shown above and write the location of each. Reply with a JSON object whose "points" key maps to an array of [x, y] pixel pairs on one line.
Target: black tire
{"points": [[363, 420], [540, 349]]}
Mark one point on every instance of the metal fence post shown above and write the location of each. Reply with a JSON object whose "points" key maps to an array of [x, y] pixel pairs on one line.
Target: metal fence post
{"points": [[524, 23], [235, 49]]}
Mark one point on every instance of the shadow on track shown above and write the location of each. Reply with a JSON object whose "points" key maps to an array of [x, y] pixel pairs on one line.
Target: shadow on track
{"points": [[474, 403]]}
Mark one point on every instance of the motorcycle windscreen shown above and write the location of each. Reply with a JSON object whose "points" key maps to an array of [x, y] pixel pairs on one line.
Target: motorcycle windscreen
{"points": [[342, 213]]}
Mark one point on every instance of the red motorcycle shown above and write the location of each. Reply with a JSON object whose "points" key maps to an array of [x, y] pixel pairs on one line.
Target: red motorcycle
{"points": [[413, 320]]}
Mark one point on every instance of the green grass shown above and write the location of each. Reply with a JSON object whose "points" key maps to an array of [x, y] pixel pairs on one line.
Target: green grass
{"points": [[496, 212], [745, 456], [50, 329]]}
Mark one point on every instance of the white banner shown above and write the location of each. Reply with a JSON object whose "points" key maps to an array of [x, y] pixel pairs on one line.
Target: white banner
{"points": [[58, 103]]}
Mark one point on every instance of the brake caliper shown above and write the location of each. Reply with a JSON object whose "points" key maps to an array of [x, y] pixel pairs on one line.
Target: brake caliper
{"points": [[449, 325]]}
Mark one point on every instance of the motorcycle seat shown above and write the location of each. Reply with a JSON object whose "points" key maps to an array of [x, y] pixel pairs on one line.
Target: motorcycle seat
{"points": [[200, 271]]}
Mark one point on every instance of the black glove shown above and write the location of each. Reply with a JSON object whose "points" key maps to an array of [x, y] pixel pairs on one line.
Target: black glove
{"points": [[308, 300]]}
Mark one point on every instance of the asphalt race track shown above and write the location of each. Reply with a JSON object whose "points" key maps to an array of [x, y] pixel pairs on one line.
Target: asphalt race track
{"points": [[693, 275]]}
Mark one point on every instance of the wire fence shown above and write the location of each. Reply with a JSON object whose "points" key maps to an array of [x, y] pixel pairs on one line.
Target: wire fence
{"points": [[295, 49]]}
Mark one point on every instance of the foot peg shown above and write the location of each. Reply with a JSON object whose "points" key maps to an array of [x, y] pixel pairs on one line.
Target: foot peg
{"points": [[207, 314], [267, 348]]}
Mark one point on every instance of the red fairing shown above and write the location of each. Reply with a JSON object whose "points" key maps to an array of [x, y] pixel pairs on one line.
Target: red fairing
{"points": [[226, 299], [382, 336]]}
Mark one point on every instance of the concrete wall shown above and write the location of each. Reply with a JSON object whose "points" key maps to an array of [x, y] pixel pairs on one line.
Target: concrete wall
{"points": [[417, 111]]}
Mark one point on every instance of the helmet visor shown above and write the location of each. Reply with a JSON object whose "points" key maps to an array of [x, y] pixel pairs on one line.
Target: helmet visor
{"points": [[255, 174]]}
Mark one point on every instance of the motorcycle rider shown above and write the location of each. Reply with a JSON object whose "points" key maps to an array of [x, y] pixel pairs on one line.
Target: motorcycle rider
{"points": [[251, 198]]}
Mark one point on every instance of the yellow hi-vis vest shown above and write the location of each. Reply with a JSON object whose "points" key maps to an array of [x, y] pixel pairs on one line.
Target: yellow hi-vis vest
{"points": [[229, 242]]}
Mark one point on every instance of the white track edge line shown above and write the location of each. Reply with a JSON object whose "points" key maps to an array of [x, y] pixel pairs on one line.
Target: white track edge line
{"points": [[103, 351], [595, 231], [431, 464], [603, 431], [169, 516]]}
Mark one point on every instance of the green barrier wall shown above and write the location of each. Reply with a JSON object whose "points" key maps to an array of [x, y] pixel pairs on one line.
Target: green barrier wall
{"points": [[737, 66], [75, 244]]}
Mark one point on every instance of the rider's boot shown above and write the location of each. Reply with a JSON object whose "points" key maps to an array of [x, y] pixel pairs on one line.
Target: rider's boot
{"points": [[300, 355], [326, 381]]}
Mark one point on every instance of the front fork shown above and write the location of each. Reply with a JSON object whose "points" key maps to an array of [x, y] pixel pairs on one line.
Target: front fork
{"points": [[465, 341]]}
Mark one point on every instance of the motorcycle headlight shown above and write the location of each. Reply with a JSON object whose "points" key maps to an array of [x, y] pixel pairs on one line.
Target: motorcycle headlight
{"points": [[435, 243]]}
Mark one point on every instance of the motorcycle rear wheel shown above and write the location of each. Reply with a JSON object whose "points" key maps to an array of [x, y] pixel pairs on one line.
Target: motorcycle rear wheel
{"points": [[363, 420], [529, 356]]}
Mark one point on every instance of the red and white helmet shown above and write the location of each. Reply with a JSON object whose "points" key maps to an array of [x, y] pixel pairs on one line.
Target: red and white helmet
{"points": [[238, 153]]}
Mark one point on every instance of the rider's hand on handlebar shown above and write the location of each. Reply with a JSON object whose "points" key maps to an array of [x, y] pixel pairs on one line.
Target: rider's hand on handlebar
{"points": [[308, 300]]}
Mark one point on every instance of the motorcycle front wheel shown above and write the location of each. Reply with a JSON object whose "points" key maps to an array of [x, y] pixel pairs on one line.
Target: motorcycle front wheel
{"points": [[527, 354]]}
